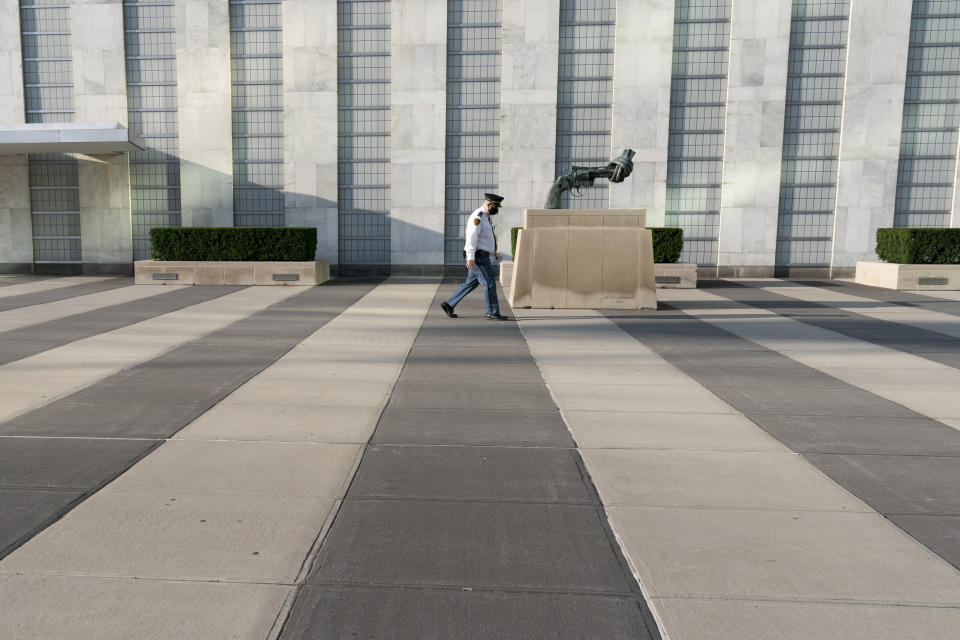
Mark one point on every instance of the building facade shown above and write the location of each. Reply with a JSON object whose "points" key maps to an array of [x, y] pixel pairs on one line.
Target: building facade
{"points": [[779, 134]]}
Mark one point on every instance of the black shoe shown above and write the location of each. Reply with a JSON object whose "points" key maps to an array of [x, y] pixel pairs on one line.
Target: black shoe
{"points": [[497, 316], [447, 309]]}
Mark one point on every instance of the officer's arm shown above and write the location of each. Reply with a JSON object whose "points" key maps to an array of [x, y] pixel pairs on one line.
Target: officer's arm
{"points": [[473, 234]]}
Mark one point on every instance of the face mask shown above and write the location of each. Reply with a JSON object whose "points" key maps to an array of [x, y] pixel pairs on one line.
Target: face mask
{"points": [[494, 210]]}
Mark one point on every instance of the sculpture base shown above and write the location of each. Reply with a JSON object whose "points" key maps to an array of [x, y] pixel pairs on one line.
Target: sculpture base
{"points": [[583, 259]]}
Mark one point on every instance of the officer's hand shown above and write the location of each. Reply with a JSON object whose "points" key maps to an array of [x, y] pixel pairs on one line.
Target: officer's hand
{"points": [[497, 255], [471, 264]]}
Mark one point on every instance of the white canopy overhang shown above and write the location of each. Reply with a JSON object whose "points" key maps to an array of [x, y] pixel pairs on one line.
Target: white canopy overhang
{"points": [[88, 138]]}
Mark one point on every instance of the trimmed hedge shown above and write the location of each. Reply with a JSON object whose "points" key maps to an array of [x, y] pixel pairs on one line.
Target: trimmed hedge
{"points": [[253, 244], [667, 243], [919, 245]]}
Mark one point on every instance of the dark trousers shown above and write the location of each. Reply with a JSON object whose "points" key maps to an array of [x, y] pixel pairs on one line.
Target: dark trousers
{"points": [[480, 275]]}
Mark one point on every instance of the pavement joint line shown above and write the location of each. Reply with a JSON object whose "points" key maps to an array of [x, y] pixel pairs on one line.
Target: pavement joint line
{"points": [[378, 498]]}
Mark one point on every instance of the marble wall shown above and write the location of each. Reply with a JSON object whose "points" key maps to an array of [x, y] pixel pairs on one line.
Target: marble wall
{"points": [[16, 243], [310, 119], [870, 140]]}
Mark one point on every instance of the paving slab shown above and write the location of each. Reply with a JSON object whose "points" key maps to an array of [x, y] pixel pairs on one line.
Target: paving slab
{"points": [[284, 423], [407, 542], [25, 510], [475, 427], [313, 393], [420, 371], [512, 474], [911, 484], [481, 357], [681, 431], [228, 537], [727, 479], [638, 398], [44, 607], [645, 374], [29, 294], [66, 463], [853, 434], [65, 418], [710, 619], [940, 533], [811, 401], [757, 554], [382, 612], [463, 394]]}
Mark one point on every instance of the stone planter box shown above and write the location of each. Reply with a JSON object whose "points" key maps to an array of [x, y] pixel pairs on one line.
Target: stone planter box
{"points": [[235, 273], [675, 275], [909, 277]]}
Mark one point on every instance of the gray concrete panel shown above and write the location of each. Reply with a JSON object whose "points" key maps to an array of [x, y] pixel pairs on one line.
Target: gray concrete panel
{"points": [[25, 511], [80, 289], [476, 545], [421, 371], [774, 377], [33, 339], [378, 612], [940, 533], [510, 474], [59, 463], [906, 298], [908, 485], [851, 434], [66, 418], [472, 427], [811, 402], [473, 392], [483, 358]]}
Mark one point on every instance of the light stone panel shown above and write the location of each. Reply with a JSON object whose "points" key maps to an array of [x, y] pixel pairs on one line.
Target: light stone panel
{"points": [[100, 95], [872, 121], [643, 55], [528, 109], [418, 51], [16, 240], [310, 120], [753, 141], [205, 116]]}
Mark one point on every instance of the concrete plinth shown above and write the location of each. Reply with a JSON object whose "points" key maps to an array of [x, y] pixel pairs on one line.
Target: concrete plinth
{"points": [[232, 273], [581, 259]]}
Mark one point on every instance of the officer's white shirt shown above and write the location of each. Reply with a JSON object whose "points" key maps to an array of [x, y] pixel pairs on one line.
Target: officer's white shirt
{"points": [[479, 236]]}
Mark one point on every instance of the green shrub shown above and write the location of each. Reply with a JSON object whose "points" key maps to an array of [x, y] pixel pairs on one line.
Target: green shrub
{"points": [[667, 244], [257, 244], [919, 245]]}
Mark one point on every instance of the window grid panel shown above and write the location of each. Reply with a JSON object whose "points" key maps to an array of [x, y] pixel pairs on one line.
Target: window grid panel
{"points": [[363, 125], [48, 97], [931, 117], [698, 95], [473, 114], [150, 46], [256, 76], [585, 94], [811, 132]]}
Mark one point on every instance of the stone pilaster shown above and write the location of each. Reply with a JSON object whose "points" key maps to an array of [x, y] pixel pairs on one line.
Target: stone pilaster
{"points": [[872, 121], [203, 102], [16, 239], [418, 50], [528, 109], [100, 95], [753, 141], [643, 56], [310, 119]]}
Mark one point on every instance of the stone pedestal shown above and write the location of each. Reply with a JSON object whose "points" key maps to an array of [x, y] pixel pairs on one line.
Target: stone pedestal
{"points": [[583, 259], [231, 273], [909, 277]]}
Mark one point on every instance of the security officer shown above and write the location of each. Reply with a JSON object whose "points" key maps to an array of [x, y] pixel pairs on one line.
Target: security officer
{"points": [[481, 243]]}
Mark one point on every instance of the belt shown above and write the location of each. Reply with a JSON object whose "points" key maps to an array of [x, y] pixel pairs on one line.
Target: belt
{"points": [[482, 253]]}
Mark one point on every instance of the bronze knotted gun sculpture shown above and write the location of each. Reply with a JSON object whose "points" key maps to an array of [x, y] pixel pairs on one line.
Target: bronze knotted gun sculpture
{"points": [[578, 177]]}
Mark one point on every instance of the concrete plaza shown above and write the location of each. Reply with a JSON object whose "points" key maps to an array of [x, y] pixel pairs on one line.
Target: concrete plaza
{"points": [[762, 459]]}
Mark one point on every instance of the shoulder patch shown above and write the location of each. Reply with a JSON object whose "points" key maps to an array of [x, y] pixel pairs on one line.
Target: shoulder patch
{"points": [[476, 221]]}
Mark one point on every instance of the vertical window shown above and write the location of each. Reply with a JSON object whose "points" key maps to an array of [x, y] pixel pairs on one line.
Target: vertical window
{"points": [[256, 67], [811, 132], [473, 113], [363, 127], [585, 94], [698, 104], [149, 30], [48, 96], [931, 115]]}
